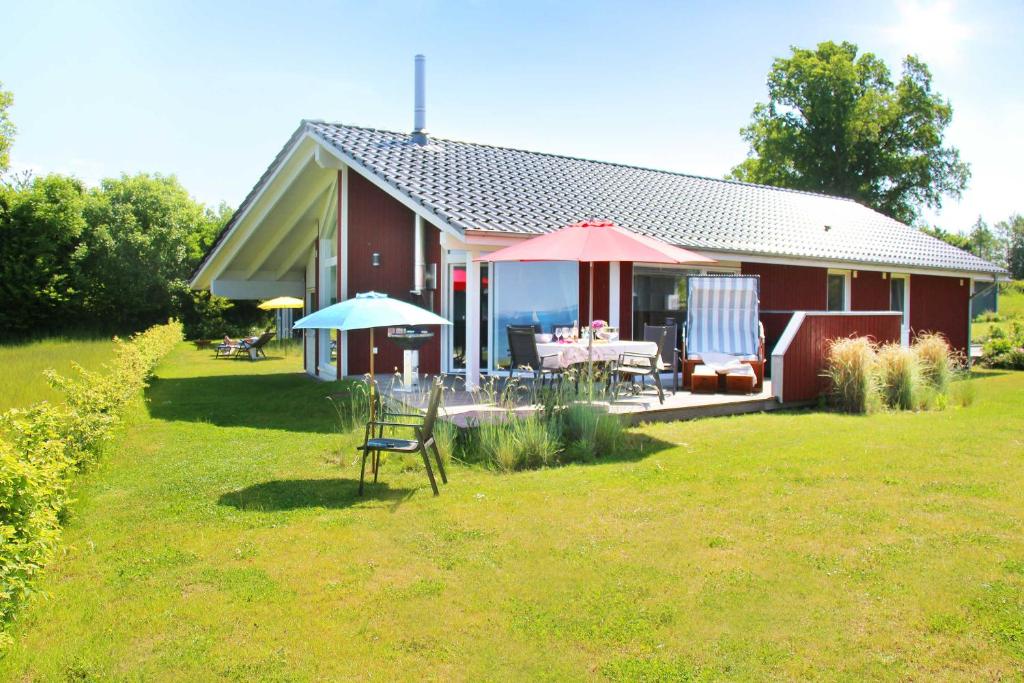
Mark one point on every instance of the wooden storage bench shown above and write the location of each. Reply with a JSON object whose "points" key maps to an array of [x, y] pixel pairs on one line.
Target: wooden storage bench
{"points": [[704, 380]]}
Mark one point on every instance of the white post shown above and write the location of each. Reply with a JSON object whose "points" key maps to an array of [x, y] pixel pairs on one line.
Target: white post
{"points": [[472, 322], [343, 266], [613, 294]]}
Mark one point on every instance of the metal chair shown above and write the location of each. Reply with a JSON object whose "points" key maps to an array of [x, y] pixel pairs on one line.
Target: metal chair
{"points": [[522, 346], [633, 365], [374, 441]]}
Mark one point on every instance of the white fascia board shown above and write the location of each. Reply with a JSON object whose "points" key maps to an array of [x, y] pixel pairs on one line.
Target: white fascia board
{"points": [[403, 199], [841, 265]]}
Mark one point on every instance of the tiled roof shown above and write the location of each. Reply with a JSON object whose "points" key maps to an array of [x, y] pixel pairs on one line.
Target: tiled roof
{"points": [[480, 187]]}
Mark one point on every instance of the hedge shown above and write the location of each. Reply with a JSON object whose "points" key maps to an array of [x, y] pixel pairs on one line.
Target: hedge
{"points": [[43, 446]]}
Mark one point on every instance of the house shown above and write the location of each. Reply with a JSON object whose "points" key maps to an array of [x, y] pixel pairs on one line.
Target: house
{"points": [[344, 209]]}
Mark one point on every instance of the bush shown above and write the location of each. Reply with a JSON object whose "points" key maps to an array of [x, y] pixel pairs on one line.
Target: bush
{"points": [[937, 360], [1005, 349], [43, 445], [851, 368], [899, 376]]}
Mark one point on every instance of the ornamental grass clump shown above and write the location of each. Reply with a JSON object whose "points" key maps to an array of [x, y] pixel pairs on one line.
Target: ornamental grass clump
{"points": [[851, 368], [937, 360], [899, 376]]}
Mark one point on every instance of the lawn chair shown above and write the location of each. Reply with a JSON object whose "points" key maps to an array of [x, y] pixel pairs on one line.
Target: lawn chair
{"points": [[254, 350], [722, 327], [374, 441], [522, 345], [633, 365]]}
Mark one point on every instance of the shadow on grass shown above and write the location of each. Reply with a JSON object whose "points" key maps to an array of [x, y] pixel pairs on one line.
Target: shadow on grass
{"points": [[295, 494], [287, 401]]}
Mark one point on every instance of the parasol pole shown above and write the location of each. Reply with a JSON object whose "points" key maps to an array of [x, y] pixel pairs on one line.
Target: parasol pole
{"points": [[372, 406], [590, 337]]}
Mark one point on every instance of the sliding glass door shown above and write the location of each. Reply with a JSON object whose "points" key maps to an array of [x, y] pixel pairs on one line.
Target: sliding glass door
{"points": [[543, 294], [457, 314]]}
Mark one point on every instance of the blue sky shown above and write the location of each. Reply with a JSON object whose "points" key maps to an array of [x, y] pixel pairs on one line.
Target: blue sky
{"points": [[211, 91]]}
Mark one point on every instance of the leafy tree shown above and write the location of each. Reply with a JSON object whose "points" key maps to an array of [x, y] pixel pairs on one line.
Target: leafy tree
{"points": [[145, 235], [41, 230], [957, 239], [6, 128], [987, 244], [836, 123], [1013, 230]]}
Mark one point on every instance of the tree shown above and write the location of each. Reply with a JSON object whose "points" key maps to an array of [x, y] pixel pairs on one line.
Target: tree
{"points": [[145, 235], [958, 240], [41, 229], [984, 243], [1013, 231], [836, 123], [6, 128]]}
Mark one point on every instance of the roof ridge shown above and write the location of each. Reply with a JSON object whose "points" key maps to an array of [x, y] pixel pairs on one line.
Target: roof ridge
{"points": [[570, 157]]}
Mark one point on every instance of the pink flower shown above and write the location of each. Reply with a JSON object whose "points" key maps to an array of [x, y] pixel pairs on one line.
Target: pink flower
{"points": [[598, 324]]}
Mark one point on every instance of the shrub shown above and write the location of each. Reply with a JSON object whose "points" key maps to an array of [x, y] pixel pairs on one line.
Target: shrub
{"points": [[937, 360], [850, 367], [33, 493], [43, 445], [899, 376]]}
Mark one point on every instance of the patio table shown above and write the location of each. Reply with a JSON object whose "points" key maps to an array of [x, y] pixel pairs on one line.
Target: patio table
{"points": [[604, 351]]}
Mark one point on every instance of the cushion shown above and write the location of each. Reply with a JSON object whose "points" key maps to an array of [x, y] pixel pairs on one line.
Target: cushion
{"points": [[704, 371], [742, 356], [552, 362]]}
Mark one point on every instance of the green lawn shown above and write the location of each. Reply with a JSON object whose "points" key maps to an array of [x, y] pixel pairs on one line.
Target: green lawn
{"points": [[222, 539], [1011, 307], [21, 379]]}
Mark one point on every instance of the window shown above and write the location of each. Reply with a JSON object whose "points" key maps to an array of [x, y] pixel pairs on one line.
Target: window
{"points": [[533, 293], [659, 293], [837, 292]]}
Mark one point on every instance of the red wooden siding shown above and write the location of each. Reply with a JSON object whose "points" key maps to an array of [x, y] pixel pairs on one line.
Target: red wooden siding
{"points": [[804, 360], [869, 291], [378, 223], [790, 288], [430, 354], [941, 304], [626, 300]]}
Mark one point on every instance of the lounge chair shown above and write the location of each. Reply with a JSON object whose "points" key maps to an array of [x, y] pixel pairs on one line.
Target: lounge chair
{"points": [[522, 345], [226, 350], [374, 441], [722, 327], [254, 350]]}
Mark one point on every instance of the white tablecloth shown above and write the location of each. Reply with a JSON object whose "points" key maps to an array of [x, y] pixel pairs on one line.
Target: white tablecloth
{"points": [[603, 351]]}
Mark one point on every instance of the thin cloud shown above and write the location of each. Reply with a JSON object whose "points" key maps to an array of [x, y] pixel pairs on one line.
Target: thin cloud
{"points": [[930, 30]]}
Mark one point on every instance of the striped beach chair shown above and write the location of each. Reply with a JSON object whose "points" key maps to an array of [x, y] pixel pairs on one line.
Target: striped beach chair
{"points": [[722, 321]]}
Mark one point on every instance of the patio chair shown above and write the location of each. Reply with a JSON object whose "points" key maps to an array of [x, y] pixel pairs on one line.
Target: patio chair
{"points": [[254, 350], [723, 330], [522, 345], [374, 441], [633, 365]]}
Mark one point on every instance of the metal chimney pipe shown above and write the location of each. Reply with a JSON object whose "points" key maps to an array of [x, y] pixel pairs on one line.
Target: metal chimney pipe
{"points": [[419, 131]]}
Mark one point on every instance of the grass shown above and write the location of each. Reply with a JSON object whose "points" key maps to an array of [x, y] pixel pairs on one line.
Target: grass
{"points": [[22, 382], [221, 538]]}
